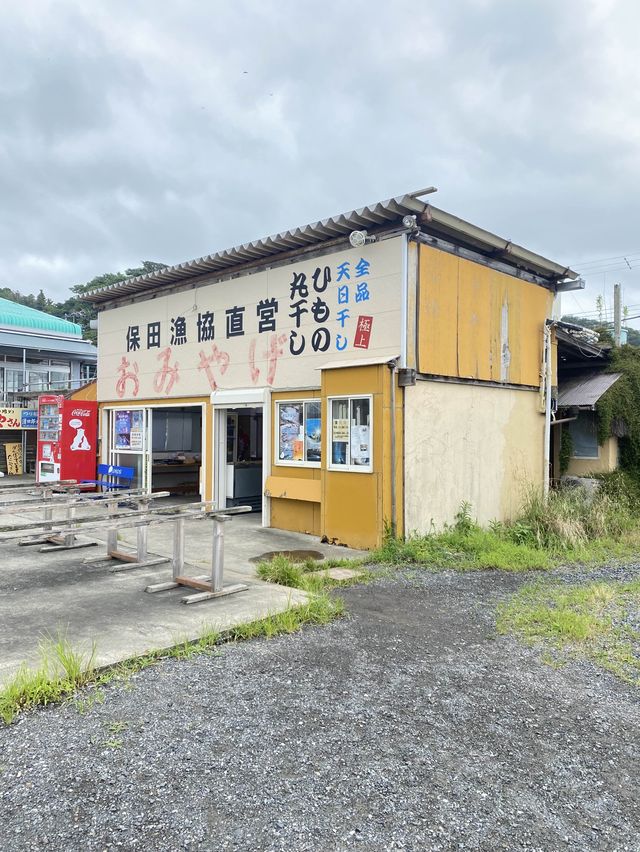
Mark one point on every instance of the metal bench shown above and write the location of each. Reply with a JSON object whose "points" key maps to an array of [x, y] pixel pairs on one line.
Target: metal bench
{"points": [[112, 477]]}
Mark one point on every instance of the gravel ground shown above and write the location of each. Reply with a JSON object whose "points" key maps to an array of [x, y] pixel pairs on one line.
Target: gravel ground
{"points": [[409, 725]]}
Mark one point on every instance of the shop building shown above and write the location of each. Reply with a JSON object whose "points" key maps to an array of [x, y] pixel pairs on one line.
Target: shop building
{"points": [[39, 353], [371, 370]]}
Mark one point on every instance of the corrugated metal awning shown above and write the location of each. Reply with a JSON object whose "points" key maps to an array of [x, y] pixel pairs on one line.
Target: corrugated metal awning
{"points": [[373, 217], [585, 390]]}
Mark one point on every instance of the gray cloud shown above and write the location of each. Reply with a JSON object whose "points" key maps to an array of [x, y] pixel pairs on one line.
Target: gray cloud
{"points": [[130, 130]]}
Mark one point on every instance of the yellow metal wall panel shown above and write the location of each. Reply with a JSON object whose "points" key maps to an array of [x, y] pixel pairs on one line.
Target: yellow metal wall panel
{"points": [[438, 312], [289, 488], [474, 321], [295, 515], [356, 506], [299, 510], [478, 323]]}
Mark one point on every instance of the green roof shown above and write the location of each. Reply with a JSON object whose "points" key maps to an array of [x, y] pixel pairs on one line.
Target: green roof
{"points": [[20, 316]]}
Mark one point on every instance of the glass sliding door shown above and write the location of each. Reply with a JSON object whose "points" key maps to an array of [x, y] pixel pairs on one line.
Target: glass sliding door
{"points": [[130, 443]]}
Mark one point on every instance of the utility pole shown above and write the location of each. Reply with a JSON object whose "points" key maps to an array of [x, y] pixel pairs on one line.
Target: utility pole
{"points": [[617, 315]]}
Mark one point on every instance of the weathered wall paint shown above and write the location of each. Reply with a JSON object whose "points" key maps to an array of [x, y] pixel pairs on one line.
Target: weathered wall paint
{"points": [[470, 443], [606, 462], [477, 323], [356, 506], [273, 328]]}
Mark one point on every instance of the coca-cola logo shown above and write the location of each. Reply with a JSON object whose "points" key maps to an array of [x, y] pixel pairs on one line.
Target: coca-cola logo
{"points": [[80, 412]]}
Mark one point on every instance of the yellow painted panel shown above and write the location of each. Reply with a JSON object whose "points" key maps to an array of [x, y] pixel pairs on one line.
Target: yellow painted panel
{"points": [[86, 392], [474, 321], [356, 505], [351, 516], [437, 313], [293, 489], [295, 515], [531, 306]]}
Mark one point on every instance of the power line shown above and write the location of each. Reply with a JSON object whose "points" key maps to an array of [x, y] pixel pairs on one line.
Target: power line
{"points": [[602, 260]]}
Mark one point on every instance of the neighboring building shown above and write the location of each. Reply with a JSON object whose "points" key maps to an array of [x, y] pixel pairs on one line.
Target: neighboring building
{"points": [[582, 381], [341, 382], [38, 353]]}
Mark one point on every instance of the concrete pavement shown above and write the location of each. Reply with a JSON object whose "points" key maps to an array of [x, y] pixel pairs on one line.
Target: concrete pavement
{"points": [[42, 593]]}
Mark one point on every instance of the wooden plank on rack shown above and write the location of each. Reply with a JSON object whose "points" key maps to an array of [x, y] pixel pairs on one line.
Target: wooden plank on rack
{"points": [[194, 584]]}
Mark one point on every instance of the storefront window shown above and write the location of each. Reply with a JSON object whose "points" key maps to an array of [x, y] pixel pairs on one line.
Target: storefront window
{"points": [[128, 428], [350, 438], [299, 438]]}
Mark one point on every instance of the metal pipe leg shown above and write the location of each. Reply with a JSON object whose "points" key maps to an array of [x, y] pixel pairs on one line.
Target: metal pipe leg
{"points": [[178, 548], [70, 538], [112, 533], [217, 557], [142, 539], [48, 510]]}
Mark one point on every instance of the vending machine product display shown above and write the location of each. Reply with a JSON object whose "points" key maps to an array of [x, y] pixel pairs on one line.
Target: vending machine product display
{"points": [[67, 430]]}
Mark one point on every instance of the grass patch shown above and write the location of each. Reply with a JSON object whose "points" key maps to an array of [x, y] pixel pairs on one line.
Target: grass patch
{"points": [[63, 671], [569, 527], [305, 575], [588, 621]]}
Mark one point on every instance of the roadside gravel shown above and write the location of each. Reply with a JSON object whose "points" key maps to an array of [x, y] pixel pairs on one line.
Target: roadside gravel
{"points": [[409, 725]]}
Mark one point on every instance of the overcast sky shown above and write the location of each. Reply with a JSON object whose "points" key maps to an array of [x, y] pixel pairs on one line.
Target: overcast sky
{"points": [[167, 129]]}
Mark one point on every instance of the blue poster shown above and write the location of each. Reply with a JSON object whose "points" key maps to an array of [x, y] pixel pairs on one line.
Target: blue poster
{"points": [[313, 439]]}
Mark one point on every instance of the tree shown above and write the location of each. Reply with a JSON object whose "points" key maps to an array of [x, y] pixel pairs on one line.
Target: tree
{"points": [[77, 309]]}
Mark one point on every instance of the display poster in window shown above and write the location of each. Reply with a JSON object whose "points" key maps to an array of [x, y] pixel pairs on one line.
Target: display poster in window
{"points": [[123, 430], [313, 435], [135, 436], [291, 445], [360, 450], [341, 430]]}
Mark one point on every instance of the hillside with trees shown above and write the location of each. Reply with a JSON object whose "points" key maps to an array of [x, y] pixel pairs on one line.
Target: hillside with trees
{"points": [[75, 308]]}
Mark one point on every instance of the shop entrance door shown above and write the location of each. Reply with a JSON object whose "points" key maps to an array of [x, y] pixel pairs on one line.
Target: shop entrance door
{"points": [[129, 443], [239, 457]]}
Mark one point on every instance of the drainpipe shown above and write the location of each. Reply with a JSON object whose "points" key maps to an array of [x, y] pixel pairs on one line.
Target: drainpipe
{"points": [[392, 373], [547, 405], [404, 300]]}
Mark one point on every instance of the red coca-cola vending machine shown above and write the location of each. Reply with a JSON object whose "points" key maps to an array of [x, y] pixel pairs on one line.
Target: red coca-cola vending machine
{"points": [[67, 430]]}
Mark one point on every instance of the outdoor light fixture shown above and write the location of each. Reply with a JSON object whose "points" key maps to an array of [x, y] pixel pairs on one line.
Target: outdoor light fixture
{"points": [[360, 238], [410, 222]]}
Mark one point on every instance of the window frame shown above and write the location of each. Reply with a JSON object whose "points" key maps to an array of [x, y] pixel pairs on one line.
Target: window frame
{"points": [[595, 427], [304, 401], [348, 468]]}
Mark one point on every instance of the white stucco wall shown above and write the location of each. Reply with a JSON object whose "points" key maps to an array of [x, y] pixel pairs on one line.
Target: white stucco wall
{"points": [[481, 444]]}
